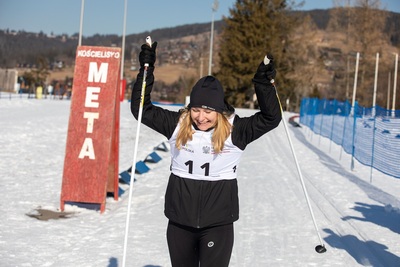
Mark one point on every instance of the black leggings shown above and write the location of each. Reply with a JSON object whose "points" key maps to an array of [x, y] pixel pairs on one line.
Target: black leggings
{"points": [[205, 247]]}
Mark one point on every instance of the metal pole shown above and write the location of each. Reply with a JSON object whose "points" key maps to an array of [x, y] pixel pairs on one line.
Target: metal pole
{"points": [[123, 41], [388, 93], [211, 45], [214, 8], [394, 86], [347, 78], [81, 22], [355, 84], [201, 67], [375, 85]]}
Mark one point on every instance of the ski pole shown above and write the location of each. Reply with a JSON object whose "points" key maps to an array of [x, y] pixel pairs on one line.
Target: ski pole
{"points": [[321, 247], [139, 120]]}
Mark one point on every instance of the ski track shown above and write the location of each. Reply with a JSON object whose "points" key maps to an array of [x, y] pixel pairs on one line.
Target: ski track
{"points": [[338, 232], [275, 227], [346, 231]]}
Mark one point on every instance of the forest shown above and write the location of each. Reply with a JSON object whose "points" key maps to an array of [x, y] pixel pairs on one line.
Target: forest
{"points": [[314, 53]]}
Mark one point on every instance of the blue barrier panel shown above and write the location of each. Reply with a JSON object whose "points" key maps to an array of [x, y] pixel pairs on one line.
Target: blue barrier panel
{"points": [[125, 177], [370, 135], [153, 157], [161, 147], [141, 167]]}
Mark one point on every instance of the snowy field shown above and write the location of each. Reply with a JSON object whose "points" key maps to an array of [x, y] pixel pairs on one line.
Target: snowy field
{"points": [[359, 221]]}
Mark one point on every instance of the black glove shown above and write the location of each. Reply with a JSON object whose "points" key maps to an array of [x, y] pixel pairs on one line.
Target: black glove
{"points": [[148, 55], [265, 71]]}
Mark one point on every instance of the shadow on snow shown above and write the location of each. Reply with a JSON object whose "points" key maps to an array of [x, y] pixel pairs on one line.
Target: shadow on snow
{"points": [[366, 253]]}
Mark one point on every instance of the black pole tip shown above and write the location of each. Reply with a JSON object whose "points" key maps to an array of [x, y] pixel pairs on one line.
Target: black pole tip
{"points": [[320, 249]]}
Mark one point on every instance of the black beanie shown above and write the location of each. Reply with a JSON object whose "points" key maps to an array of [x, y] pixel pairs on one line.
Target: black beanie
{"points": [[208, 93]]}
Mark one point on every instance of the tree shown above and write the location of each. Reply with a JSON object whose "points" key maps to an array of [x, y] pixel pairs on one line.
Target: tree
{"points": [[41, 72], [364, 25], [303, 59], [368, 24], [36, 76], [254, 28]]}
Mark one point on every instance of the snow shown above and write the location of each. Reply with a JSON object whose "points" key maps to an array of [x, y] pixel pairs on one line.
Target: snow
{"points": [[357, 217]]}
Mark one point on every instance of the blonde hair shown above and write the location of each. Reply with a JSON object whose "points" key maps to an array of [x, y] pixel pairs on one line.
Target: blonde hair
{"points": [[221, 132]]}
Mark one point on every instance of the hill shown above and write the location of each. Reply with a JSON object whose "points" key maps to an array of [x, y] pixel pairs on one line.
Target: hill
{"points": [[182, 51]]}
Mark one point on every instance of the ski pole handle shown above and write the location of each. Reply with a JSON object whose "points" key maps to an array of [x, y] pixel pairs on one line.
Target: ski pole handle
{"points": [[146, 65], [149, 43], [266, 62]]}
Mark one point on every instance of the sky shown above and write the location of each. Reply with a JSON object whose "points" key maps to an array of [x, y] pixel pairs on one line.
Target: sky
{"points": [[107, 16], [357, 219]]}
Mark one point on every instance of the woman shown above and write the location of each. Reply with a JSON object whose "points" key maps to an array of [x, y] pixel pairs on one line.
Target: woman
{"points": [[207, 140]]}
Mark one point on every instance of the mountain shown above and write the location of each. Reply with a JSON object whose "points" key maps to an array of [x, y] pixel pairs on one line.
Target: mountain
{"points": [[20, 48], [182, 54]]}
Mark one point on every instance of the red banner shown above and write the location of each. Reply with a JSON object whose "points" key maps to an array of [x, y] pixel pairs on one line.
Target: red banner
{"points": [[91, 157]]}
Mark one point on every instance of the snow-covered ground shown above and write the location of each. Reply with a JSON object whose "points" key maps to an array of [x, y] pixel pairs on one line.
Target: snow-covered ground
{"points": [[359, 221]]}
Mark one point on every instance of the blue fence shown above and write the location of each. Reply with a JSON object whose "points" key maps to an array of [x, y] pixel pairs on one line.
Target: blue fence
{"points": [[372, 136]]}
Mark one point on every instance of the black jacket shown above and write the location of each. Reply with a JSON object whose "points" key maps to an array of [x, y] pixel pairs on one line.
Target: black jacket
{"points": [[197, 203]]}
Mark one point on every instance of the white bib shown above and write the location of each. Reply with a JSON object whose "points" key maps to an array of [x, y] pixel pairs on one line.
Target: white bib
{"points": [[197, 160]]}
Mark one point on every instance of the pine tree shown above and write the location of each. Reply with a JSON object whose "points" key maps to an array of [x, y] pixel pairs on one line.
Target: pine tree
{"points": [[254, 28]]}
